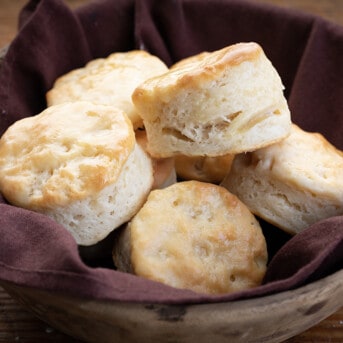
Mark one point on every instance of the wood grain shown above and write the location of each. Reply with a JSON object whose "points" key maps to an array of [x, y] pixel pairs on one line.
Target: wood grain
{"points": [[18, 325]]}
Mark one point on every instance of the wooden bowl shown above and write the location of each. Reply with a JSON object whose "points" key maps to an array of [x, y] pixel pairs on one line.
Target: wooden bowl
{"points": [[273, 318]]}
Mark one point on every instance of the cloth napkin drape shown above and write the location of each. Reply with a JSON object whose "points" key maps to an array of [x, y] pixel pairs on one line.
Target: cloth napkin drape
{"points": [[52, 40]]}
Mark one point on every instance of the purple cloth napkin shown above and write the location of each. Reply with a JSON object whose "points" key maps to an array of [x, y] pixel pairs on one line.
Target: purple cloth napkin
{"points": [[307, 52]]}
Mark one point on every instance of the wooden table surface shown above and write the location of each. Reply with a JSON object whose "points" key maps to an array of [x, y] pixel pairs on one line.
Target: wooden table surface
{"points": [[18, 325]]}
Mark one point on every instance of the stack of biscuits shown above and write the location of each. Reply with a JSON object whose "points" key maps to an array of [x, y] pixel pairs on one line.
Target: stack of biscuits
{"points": [[177, 161]]}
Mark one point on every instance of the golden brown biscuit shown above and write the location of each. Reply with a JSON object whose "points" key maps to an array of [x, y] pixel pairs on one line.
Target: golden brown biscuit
{"points": [[194, 235], [203, 168], [291, 184], [227, 101], [79, 164], [108, 81]]}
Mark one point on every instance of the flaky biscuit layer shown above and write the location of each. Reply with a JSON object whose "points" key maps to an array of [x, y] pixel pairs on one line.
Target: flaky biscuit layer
{"points": [[227, 101], [293, 183]]}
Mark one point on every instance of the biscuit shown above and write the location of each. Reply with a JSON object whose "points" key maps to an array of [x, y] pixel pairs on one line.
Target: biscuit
{"points": [[291, 184], [191, 59], [194, 235], [203, 168], [108, 81], [79, 164], [164, 168], [227, 101]]}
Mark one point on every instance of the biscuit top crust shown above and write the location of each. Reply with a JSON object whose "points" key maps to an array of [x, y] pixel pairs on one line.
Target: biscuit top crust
{"points": [[193, 71], [65, 153], [108, 81], [199, 236], [191, 59], [305, 160], [208, 64]]}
